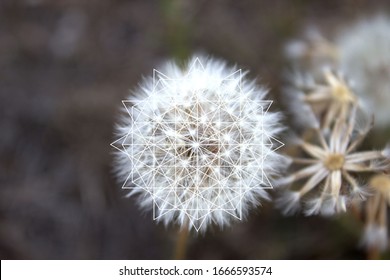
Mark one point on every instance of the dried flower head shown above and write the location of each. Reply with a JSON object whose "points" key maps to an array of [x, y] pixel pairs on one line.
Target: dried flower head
{"points": [[375, 230], [325, 102], [362, 51], [198, 144], [328, 97], [330, 168]]}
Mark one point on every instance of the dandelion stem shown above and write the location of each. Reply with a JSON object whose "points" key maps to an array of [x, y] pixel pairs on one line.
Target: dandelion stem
{"points": [[181, 242], [373, 254]]}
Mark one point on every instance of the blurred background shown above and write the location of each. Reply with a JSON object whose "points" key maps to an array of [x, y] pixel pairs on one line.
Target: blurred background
{"points": [[66, 65]]}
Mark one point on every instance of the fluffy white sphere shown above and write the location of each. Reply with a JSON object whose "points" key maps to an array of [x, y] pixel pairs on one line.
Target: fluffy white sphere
{"points": [[197, 144]]}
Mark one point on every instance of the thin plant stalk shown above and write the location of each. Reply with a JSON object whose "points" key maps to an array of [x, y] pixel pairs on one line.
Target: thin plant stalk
{"points": [[181, 242]]}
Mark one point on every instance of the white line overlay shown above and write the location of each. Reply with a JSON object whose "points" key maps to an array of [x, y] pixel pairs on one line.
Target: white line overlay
{"points": [[197, 153], [205, 269]]}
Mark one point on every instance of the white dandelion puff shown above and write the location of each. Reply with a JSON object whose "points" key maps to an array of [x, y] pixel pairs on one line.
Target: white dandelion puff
{"points": [[365, 55], [198, 144]]}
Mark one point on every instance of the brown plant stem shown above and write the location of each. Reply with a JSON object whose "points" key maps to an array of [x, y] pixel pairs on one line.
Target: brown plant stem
{"points": [[181, 242], [373, 254]]}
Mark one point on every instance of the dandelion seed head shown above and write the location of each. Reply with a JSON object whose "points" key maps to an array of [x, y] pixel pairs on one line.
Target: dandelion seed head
{"points": [[206, 138], [325, 98], [330, 169], [364, 54]]}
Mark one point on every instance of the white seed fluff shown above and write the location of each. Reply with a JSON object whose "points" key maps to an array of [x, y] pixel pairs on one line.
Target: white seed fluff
{"points": [[364, 53], [197, 144]]}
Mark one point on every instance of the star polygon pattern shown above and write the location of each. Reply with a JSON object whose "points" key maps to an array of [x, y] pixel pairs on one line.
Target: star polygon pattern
{"points": [[196, 150]]}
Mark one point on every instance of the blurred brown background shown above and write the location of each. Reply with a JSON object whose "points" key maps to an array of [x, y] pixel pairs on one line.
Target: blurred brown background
{"points": [[66, 65]]}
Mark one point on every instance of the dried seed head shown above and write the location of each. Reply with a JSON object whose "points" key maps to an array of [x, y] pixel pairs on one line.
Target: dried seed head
{"points": [[329, 96], [331, 168], [364, 55], [197, 144]]}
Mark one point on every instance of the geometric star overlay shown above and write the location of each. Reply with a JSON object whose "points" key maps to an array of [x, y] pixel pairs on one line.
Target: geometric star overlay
{"points": [[196, 153]]}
